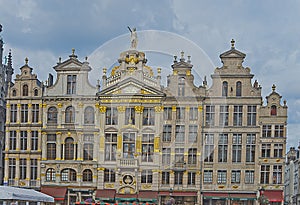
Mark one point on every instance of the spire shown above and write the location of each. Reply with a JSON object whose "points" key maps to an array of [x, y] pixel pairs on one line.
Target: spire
{"points": [[9, 69]]}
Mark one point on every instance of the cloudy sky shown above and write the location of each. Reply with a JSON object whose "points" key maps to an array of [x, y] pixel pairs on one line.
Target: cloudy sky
{"points": [[268, 32]]}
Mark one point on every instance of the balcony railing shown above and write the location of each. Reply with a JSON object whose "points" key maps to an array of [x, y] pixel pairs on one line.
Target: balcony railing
{"points": [[128, 163]]}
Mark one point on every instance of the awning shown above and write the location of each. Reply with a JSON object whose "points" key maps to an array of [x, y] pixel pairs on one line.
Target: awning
{"points": [[274, 195], [231, 196], [126, 197], [58, 193], [150, 196], [14, 193], [178, 193], [105, 194]]}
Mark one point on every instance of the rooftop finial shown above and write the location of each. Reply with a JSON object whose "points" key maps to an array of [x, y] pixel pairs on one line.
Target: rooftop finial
{"points": [[273, 87], [182, 56], [232, 43], [73, 51], [26, 61], [189, 59]]}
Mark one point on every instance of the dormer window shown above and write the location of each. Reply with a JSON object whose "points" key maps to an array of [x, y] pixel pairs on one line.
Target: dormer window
{"points": [[25, 90], [181, 87], [71, 84], [238, 89], [36, 92], [273, 110], [225, 89]]}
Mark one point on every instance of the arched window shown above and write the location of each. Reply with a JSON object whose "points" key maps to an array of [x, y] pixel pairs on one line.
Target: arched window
{"points": [[273, 110], [89, 117], [181, 86], [225, 89], [50, 174], [14, 93], [69, 149], [36, 92], [70, 115], [25, 90], [52, 115], [238, 89], [68, 175], [87, 175]]}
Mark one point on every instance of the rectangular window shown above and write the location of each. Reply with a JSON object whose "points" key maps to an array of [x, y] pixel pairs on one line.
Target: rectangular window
{"points": [[23, 166], [13, 112], [179, 133], [166, 156], [250, 147], [51, 146], [223, 121], [12, 140], [88, 147], [167, 133], [129, 116], [278, 132], [111, 116], [146, 177], [23, 140], [236, 176], [192, 156], [249, 177], [110, 146], [165, 177], [222, 176], [236, 148], [193, 113], [71, 84], [277, 174], [167, 113], [178, 178], [179, 155], [266, 150], [264, 174], [222, 147], [147, 147], [34, 140], [210, 115], [148, 116], [12, 168], [128, 145], [208, 176], [278, 150], [24, 113], [191, 178], [266, 130], [33, 169], [237, 115], [109, 175], [251, 115], [193, 130], [35, 113], [180, 113], [209, 148]]}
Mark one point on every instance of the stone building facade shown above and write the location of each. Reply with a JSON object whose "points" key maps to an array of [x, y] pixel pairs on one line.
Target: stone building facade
{"points": [[291, 180], [6, 72], [136, 140]]}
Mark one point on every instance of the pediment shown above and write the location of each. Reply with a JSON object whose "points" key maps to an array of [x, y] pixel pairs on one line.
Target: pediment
{"points": [[69, 65], [182, 64], [131, 87], [233, 53]]}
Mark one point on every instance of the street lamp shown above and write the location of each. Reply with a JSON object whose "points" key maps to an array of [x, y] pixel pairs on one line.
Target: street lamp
{"points": [[263, 200]]}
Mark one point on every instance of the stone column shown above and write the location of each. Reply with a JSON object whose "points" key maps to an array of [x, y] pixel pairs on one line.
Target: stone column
{"points": [[29, 135], [44, 144], [29, 120], [59, 144]]}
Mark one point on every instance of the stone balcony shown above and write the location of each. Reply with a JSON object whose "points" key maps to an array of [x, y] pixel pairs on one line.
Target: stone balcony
{"points": [[127, 163]]}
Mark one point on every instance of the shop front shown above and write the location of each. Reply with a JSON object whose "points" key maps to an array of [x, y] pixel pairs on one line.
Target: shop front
{"points": [[224, 198], [275, 197], [179, 197]]}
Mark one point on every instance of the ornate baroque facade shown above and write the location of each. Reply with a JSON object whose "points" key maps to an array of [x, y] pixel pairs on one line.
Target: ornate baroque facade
{"points": [[135, 139]]}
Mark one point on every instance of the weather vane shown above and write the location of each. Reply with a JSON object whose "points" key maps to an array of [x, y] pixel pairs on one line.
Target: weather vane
{"points": [[133, 37]]}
